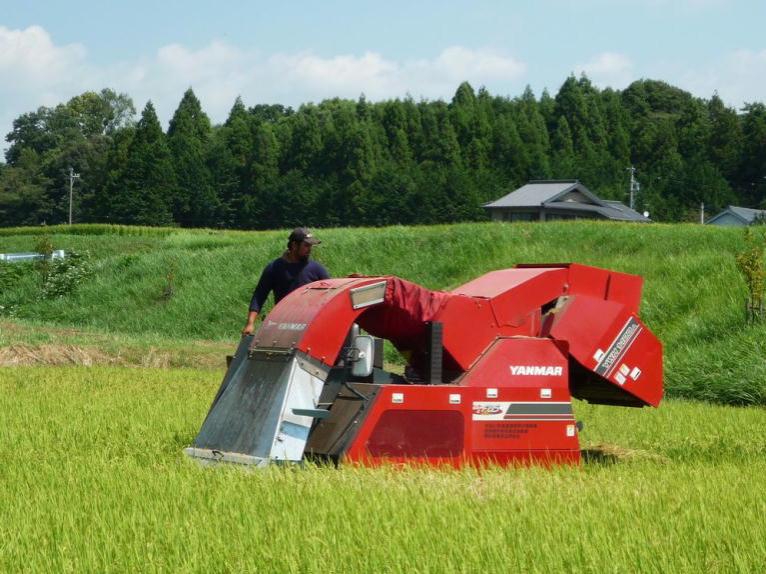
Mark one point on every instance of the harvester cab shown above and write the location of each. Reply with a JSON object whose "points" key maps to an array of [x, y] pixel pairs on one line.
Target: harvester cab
{"points": [[492, 367]]}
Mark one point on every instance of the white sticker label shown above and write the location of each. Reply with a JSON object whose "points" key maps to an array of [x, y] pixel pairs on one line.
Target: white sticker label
{"points": [[620, 378], [397, 398], [624, 369], [635, 373], [483, 411], [545, 393], [598, 354]]}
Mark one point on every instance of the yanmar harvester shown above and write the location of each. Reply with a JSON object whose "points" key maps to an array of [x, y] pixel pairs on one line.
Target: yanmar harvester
{"points": [[492, 367]]}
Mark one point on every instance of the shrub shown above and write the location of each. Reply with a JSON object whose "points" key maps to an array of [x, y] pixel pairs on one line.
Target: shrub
{"points": [[10, 274], [750, 264], [65, 275]]}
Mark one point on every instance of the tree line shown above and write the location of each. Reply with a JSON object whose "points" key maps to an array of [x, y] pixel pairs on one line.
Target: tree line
{"points": [[344, 162]]}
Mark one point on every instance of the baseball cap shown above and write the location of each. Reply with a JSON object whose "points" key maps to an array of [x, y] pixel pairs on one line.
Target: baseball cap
{"points": [[301, 234]]}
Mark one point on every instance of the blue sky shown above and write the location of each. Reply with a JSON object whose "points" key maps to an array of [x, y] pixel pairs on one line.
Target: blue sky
{"points": [[299, 51]]}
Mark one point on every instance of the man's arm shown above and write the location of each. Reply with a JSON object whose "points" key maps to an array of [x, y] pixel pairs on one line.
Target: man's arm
{"points": [[321, 272], [260, 295], [250, 325]]}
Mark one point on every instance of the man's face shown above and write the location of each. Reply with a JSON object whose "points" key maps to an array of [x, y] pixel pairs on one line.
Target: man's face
{"points": [[303, 251]]}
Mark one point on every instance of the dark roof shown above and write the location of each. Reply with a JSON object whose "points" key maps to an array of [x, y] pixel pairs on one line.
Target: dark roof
{"points": [[613, 210], [535, 193], [546, 194], [746, 214]]}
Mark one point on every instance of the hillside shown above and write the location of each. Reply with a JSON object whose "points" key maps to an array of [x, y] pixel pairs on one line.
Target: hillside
{"points": [[188, 290]]}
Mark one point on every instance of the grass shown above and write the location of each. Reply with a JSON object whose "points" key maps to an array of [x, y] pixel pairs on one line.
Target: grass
{"points": [[167, 288], [92, 478], [37, 343], [94, 481]]}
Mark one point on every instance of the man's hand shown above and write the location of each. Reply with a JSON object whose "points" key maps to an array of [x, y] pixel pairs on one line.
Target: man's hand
{"points": [[250, 325]]}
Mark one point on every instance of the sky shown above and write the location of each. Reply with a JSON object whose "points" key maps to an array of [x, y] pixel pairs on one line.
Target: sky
{"points": [[298, 51]]}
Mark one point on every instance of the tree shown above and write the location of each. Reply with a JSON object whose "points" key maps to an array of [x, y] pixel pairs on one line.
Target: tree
{"points": [[195, 201], [509, 155], [143, 192], [752, 171], [30, 132], [563, 151], [725, 140], [23, 200], [264, 208]]}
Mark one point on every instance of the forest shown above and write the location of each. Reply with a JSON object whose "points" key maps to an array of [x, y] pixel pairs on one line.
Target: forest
{"points": [[360, 163]]}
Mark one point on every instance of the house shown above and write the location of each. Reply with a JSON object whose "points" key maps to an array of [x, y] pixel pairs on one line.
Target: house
{"points": [[546, 200], [739, 216]]}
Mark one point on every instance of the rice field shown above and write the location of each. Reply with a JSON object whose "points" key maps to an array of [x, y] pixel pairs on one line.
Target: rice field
{"points": [[93, 480]]}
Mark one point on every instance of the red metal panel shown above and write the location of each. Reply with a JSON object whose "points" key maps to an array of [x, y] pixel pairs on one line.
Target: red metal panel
{"points": [[497, 368], [626, 289], [514, 405], [469, 328], [607, 339], [496, 283], [500, 303], [513, 307], [604, 284], [314, 319], [585, 280], [418, 433]]}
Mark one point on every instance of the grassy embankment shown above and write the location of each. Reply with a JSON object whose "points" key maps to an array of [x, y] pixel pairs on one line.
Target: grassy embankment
{"points": [[163, 297], [94, 481]]}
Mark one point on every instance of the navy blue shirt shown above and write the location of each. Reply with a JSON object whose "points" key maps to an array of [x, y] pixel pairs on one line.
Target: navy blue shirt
{"points": [[283, 277]]}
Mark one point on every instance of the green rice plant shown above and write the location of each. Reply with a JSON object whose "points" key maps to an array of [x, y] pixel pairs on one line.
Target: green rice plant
{"points": [[94, 481]]}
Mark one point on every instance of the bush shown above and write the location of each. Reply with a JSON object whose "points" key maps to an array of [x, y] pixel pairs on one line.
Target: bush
{"points": [[65, 275], [10, 274], [751, 266]]}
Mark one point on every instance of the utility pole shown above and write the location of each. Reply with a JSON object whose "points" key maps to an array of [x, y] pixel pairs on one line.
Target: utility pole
{"points": [[72, 176], [635, 187], [702, 212]]}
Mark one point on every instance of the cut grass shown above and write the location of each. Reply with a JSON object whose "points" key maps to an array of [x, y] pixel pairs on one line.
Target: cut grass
{"points": [[34, 343], [94, 481]]}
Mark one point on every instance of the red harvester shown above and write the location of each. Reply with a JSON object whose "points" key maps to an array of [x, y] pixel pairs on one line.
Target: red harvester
{"points": [[492, 369]]}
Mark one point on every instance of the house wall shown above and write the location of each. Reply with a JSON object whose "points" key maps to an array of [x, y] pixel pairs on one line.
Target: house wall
{"points": [[574, 196], [500, 214]]}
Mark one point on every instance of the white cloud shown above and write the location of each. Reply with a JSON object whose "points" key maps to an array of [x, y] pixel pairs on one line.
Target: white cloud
{"points": [[220, 72], [31, 60], [738, 77], [38, 72], [608, 69]]}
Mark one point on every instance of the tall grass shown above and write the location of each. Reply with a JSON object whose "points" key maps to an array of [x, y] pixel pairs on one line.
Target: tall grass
{"points": [[93, 480], [694, 298]]}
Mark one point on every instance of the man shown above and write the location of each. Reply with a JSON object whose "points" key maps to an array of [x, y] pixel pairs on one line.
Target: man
{"points": [[286, 274]]}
